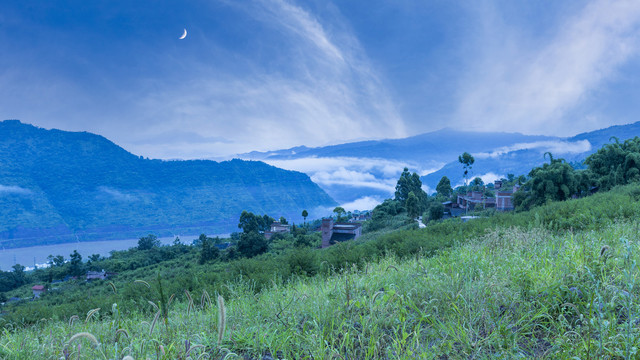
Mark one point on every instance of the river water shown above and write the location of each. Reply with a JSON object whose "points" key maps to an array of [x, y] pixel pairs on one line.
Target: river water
{"points": [[38, 254]]}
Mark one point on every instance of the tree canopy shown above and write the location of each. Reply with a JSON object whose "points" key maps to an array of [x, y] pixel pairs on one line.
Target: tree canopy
{"points": [[444, 188], [467, 161], [616, 163], [555, 181], [148, 242], [251, 222]]}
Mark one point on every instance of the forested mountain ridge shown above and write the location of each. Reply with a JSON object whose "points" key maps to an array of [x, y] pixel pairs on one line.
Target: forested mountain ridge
{"points": [[61, 186]]}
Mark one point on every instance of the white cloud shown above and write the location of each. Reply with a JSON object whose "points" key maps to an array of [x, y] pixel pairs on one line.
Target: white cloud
{"points": [[490, 177], [378, 174], [12, 189], [363, 203], [555, 147], [521, 87], [353, 178]]}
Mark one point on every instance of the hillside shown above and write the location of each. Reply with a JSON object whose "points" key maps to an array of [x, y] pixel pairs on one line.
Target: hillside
{"points": [[363, 169], [58, 186], [439, 145], [519, 161], [553, 283]]}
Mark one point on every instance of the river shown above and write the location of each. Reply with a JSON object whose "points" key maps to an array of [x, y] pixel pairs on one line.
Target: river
{"points": [[38, 254]]}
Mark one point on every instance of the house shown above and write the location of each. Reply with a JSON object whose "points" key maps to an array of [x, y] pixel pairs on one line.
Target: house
{"points": [[337, 232], [451, 209], [360, 216], [504, 199], [475, 199], [93, 275], [38, 290], [276, 228]]}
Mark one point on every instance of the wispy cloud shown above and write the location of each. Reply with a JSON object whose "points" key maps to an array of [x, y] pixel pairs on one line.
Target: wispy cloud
{"points": [[527, 88], [555, 147], [372, 173], [13, 189], [321, 90]]}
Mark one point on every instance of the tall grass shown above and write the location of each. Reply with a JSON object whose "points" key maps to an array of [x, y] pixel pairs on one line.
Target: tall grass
{"points": [[510, 293]]}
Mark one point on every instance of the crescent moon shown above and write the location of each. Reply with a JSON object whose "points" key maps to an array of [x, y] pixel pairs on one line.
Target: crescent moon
{"points": [[184, 35]]}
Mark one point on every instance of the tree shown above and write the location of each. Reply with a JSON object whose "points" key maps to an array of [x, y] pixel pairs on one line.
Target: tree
{"points": [[616, 163], [435, 212], [94, 257], [444, 188], [304, 215], [412, 205], [555, 181], [56, 261], [249, 222], [283, 220], [407, 183], [19, 277], [467, 161], [252, 244], [477, 184], [148, 242], [209, 251], [339, 212], [75, 263]]}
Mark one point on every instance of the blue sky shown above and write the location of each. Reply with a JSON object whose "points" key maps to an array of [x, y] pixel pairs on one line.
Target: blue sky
{"points": [[270, 74]]}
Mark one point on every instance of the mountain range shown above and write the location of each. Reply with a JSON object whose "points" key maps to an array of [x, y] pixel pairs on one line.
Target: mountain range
{"points": [[58, 186], [364, 173]]}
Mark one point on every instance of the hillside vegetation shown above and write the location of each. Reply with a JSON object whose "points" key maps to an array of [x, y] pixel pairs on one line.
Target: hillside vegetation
{"points": [[555, 282], [58, 186]]}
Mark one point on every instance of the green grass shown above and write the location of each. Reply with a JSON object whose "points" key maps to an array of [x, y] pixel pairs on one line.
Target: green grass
{"points": [[511, 293]]}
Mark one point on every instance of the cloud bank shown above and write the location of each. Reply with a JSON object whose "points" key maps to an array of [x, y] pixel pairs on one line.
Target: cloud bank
{"points": [[371, 173], [555, 147]]}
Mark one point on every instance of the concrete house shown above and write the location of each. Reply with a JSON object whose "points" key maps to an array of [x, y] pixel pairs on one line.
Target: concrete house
{"points": [[277, 228], [337, 232], [96, 275]]}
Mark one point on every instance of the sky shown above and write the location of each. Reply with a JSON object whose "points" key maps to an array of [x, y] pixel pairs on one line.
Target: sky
{"points": [[272, 74]]}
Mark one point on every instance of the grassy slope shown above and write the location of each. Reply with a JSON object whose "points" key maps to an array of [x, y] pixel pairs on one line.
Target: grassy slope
{"points": [[513, 292]]}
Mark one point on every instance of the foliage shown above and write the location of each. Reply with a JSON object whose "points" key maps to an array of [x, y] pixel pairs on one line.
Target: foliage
{"points": [[148, 242], [521, 293], [616, 163], [340, 214], [407, 183], [250, 222], [252, 244], [208, 249], [435, 212], [444, 188], [555, 181], [412, 205], [76, 267], [467, 161]]}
